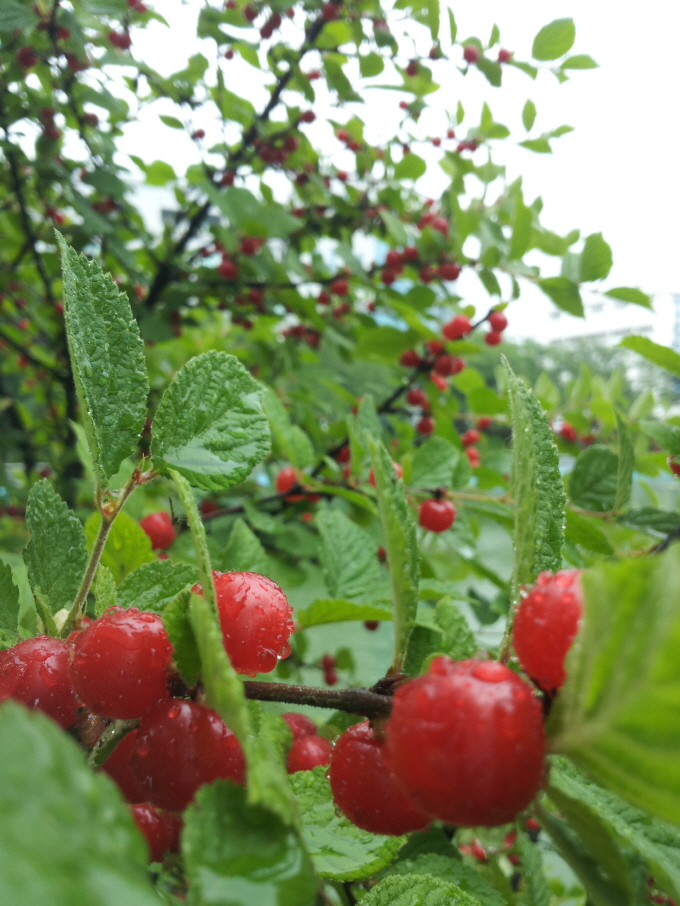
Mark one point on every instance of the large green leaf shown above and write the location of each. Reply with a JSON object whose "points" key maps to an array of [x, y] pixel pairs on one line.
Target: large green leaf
{"points": [[291, 440], [417, 890], [210, 426], [618, 715], [154, 585], [240, 854], [107, 359], [554, 40], [127, 545], [337, 610], [349, 559], [68, 838], [564, 293], [243, 551], [434, 464], [14, 15], [662, 356], [338, 848], [451, 868], [537, 487], [447, 632], [667, 436], [593, 481], [56, 556], [9, 604]]}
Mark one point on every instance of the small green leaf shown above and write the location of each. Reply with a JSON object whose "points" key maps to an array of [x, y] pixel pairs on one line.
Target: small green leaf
{"points": [[210, 426], [596, 259], [410, 167], [579, 61], [348, 557], [433, 18], [521, 230], [529, 115], [534, 881], [554, 40], [154, 585], [593, 481], [127, 546], [448, 634], [660, 355], [340, 850], [338, 610], [583, 531], [417, 890], [171, 121], [9, 604], [564, 293], [107, 358], [434, 464], [395, 227], [159, 173], [243, 551], [491, 70], [371, 64], [56, 556], [181, 634], [104, 590], [629, 294], [624, 477], [453, 28], [537, 145], [537, 487], [648, 519], [291, 440]]}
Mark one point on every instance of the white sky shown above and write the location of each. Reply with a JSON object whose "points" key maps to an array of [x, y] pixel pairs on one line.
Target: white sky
{"points": [[616, 173]]}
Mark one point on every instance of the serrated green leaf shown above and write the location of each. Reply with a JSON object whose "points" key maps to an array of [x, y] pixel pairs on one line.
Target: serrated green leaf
{"points": [[56, 556], [9, 603], [593, 481], [401, 545], [624, 475], [447, 634], [338, 81], [452, 869], [537, 487], [127, 546], [434, 464], [154, 585], [338, 610], [417, 890], [293, 443], [618, 715], [67, 835], [529, 115], [210, 426], [564, 293], [107, 359], [596, 258], [181, 634], [583, 531], [534, 881], [629, 294], [554, 40], [662, 356], [340, 850], [104, 590], [243, 551], [349, 559], [236, 852], [651, 520], [410, 167]]}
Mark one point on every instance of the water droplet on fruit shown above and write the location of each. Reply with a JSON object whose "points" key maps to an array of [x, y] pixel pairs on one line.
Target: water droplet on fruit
{"points": [[174, 712]]}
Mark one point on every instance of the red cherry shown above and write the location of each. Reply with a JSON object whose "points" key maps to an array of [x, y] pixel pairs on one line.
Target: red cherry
{"points": [[466, 779], [673, 466], [410, 359], [568, 432], [417, 397], [470, 53], [436, 142], [35, 673], [546, 622], [483, 422], [342, 135], [470, 437], [307, 116], [472, 454], [120, 663], [229, 54], [504, 56], [395, 465], [436, 515], [410, 253], [159, 528], [250, 245], [388, 277], [343, 455], [122, 40], [394, 260], [425, 425], [446, 365], [427, 274], [330, 11], [434, 347], [198, 134], [119, 768], [160, 829], [27, 57], [307, 753], [450, 133], [286, 479], [457, 328], [449, 271], [492, 338], [438, 381], [330, 677], [497, 321], [228, 269], [363, 788], [371, 625], [180, 746], [340, 287], [412, 69], [300, 724], [441, 224], [250, 13]]}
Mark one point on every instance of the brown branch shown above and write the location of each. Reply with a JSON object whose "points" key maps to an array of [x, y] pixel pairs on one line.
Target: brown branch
{"points": [[354, 701]]}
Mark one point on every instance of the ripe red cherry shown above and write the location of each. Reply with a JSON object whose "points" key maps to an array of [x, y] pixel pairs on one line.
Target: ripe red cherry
{"points": [[340, 287], [27, 57], [425, 425], [120, 663], [329, 11], [395, 465], [300, 724], [457, 327], [394, 260], [307, 116], [446, 365], [504, 56], [410, 253], [493, 338], [307, 753], [470, 437], [119, 768], [342, 135], [286, 479], [121, 40], [363, 788], [180, 746], [256, 621], [470, 53], [228, 269], [436, 515], [449, 271], [568, 432], [483, 423], [673, 466], [497, 321], [434, 347], [546, 622], [427, 274], [472, 454], [35, 673], [161, 830], [412, 68], [159, 528], [465, 778], [417, 397], [410, 359]]}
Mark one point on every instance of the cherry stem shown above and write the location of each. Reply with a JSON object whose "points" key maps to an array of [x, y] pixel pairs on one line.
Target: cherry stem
{"points": [[109, 739], [354, 701]]}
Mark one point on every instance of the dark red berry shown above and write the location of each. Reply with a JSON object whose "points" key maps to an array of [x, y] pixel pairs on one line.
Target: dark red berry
{"points": [[180, 746], [228, 269], [417, 397], [121, 40], [504, 56], [119, 768], [364, 789], [568, 432], [308, 116], [286, 479], [27, 57], [120, 663], [457, 327], [483, 423], [436, 515], [546, 622], [427, 274], [409, 359], [250, 13], [425, 425], [412, 68], [472, 454], [161, 830], [449, 271], [35, 672], [340, 287], [493, 338], [470, 53], [445, 365], [497, 321], [330, 11], [307, 753], [470, 437], [343, 455], [330, 677], [328, 662], [411, 253], [371, 625], [159, 528], [468, 779], [300, 724]]}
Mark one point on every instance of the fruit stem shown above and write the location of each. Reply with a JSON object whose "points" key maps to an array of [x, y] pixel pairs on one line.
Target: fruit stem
{"points": [[354, 701], [109, 739]]}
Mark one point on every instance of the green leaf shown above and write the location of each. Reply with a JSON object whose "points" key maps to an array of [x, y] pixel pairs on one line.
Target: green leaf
{"points": [[395, 227], [534, 881], [618, 715], [593, 481], [210, 426], [239, 853], [127, 546], [243, 551], [660, 355], [554, 40], [449, 867], [56, 556], [624, 475], [68, 839], [104, 590], [401, 546], [583, 531], [521, 230], [410, 167], [15, 15], [371, 64], [416, 890], [648, 519], [453, 28], [9, 604], [537, 487], [596, 258], [433, 18], [628, 294], [291, 440], [154, 585], [537, 145], [181, 634], [529, 115], [107, 359], [564, 293], [337, 80], [448, 634], [171, 121], [579, 61], [348, 558], [340, 850], [491, 70], [159, 173], [338, 610], [434, 464]]}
